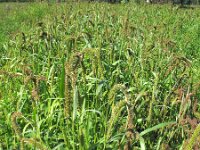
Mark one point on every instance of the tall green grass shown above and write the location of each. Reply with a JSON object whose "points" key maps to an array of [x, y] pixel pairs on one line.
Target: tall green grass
{"points": [[101, 76]]}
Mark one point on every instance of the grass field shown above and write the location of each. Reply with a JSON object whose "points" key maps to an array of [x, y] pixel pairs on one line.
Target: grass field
{"points": [[99, 76]]}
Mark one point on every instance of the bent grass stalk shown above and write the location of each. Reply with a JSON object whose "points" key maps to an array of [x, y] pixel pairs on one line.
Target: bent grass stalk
{"points": [[116, 108], [71, 67], [130, 126], [18, 132], [193, 139], [15, 126], [116, 111], [34, 143]]}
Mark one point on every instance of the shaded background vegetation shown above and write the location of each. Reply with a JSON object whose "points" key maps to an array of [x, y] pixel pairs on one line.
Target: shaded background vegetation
{"points": [[188, 2]]}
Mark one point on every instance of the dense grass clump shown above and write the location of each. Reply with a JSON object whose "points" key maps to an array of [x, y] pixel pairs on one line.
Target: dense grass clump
{"points": [[101, 76]]}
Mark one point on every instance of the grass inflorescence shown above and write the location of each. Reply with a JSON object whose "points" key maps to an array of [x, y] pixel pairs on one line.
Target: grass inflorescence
{"points": [[99, 76]]}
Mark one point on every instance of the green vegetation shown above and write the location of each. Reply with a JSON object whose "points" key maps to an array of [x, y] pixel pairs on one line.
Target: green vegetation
{"points": [[99, 76], [16, 17]]}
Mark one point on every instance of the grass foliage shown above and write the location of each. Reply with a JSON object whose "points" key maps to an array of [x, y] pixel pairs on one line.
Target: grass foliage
{"points": [[100, 76]]}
